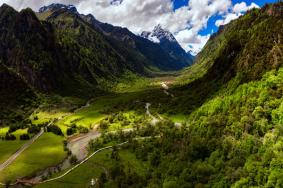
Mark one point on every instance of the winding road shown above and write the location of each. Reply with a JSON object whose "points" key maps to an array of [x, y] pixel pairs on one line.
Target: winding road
{"points": [[166, 88], [154, 120]]}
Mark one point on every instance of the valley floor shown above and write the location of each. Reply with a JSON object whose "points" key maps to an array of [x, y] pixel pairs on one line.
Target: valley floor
{"points": [[107, 114], [157, 136]]}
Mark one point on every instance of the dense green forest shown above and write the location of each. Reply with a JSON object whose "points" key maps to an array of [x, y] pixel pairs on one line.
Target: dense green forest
{"points": [[233, 139]]}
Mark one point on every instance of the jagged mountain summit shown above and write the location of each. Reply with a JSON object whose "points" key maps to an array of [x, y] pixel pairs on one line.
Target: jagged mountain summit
{"points": [[160, 34], [168, 43]]}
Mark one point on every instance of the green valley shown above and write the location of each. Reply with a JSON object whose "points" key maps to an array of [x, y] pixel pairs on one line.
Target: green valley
{"points": [[94, 106]]}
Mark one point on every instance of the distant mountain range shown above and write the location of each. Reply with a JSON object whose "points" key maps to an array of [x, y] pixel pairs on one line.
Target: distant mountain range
{"points": [[165, 55], [58, 50]]}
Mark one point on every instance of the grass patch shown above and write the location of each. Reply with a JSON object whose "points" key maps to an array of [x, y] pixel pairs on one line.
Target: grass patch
{"points": [[98, 110], [46, 151], [7, 148], [42, 117], [55, 107], [130, 82], [124, 120], [178, 118]]}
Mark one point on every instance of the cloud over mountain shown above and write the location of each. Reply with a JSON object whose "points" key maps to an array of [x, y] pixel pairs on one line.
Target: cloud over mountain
{"points": [[143, 15]]}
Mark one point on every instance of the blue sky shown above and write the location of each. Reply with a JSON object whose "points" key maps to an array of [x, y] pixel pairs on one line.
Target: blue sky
{"points": [[211, 27]]}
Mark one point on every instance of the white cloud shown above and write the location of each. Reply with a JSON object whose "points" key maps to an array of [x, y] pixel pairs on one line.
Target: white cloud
{"points": [[235, 13], [192, 41], [144, 15], [227, 19], [137, 15], [242, 7]]}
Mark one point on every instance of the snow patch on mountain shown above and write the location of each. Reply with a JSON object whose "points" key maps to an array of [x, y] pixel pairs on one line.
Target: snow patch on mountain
{"points": [[161, 33]]}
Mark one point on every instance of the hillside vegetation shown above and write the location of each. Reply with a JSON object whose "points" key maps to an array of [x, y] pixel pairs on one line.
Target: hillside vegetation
{"points": [[218, 124], [232, 133], [62, 52]]}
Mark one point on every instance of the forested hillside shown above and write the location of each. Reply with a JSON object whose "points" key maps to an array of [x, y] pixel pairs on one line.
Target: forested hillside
{"points": [[232, 101], [58, 51]]}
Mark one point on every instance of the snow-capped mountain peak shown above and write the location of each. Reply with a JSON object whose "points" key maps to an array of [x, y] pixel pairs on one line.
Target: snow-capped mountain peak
{"points": [[159, 34], [168, 43]]}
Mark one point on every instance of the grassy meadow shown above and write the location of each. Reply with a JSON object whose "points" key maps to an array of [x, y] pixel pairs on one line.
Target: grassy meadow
{"points": [[7, 148], [45, 152]]}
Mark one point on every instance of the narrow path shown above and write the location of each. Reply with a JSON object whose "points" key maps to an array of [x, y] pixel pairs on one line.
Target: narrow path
{"points": [[166, 88], [154, 120], [13, 157], [82, 162]]}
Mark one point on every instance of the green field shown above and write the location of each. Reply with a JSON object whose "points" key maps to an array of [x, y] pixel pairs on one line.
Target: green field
{"points": [[46, 116], [7, 148], [46, 151], [82, 176], [54, 107], [98, 110], [17, 133]]}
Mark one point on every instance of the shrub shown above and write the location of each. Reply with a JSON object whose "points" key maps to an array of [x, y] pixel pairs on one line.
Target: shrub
{"points": [[14, 128], [33, 129], [125, 123], [71, 131], [83, 130], [24, 137], [55, 129], [104, 124], [9, 136]]}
